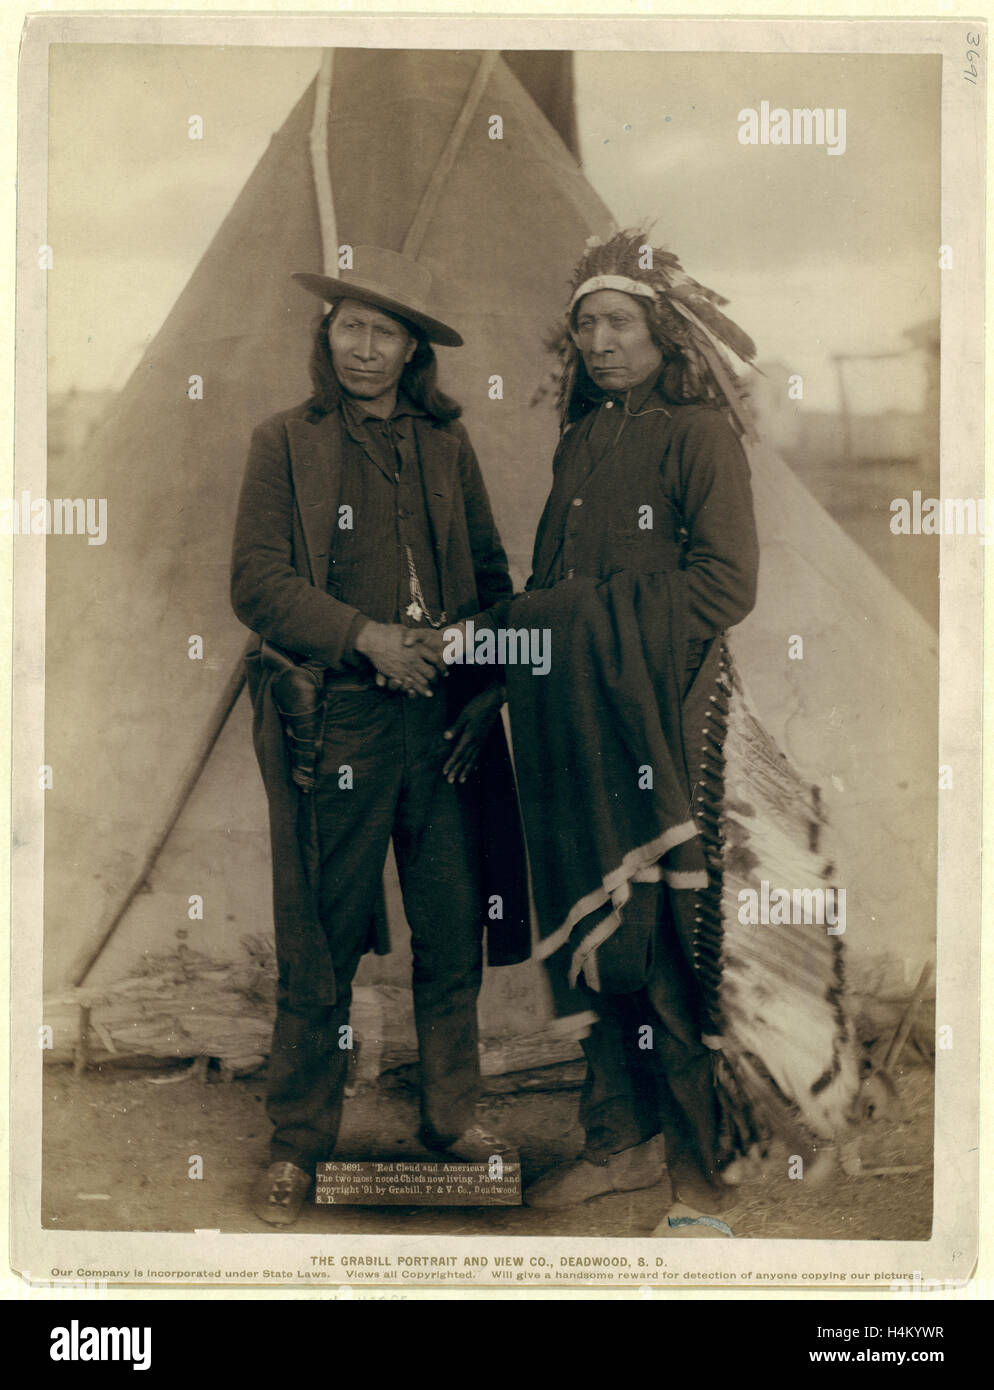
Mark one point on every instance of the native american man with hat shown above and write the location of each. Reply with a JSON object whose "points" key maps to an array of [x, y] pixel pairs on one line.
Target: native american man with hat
{"points": [[363, 528], [645, 554]]}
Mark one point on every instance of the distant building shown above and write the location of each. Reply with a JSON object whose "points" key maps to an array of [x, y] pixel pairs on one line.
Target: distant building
{"points": [[925, 340], [882, 443]]}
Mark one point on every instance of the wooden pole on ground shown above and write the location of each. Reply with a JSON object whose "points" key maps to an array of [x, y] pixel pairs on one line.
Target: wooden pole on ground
{"points": [[225, 704]]}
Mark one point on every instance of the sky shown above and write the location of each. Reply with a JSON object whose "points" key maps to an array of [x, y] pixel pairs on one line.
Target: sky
{"points": [[818, 254]]}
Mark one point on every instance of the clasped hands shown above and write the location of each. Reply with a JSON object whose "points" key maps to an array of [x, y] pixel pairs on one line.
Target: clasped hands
{"points": [[406, 658], [410, 659]]}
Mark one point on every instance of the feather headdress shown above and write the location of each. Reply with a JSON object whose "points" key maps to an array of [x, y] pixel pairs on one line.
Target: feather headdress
{"points": [[686, 320]]}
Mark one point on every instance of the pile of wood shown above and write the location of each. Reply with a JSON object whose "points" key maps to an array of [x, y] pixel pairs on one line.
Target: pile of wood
{"points": [[186, 1005], [183, 1004]]}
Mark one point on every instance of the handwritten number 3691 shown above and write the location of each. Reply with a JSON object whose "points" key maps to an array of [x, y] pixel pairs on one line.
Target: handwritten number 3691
{"points": [[972, 56]]}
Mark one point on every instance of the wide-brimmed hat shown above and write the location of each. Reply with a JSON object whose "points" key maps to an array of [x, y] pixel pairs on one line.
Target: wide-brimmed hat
{"points": [[387, 280]]}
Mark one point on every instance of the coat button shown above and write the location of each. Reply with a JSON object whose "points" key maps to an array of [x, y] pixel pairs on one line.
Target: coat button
{"points": [[609, 405], [577, 501], [570, 574]]}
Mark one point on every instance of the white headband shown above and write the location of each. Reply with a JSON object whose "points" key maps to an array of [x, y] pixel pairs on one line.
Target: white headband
{"points": [[612, 282]]}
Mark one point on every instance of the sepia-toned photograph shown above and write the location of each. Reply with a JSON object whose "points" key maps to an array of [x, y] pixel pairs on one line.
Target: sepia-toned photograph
{"points": [[487, 519]]}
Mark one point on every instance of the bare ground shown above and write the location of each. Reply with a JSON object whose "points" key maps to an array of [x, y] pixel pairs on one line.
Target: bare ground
{"points": [[119, 1149]]}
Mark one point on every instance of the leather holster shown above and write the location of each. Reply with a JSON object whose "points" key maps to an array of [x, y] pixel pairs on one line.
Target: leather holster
{"points": [[297, 689]]}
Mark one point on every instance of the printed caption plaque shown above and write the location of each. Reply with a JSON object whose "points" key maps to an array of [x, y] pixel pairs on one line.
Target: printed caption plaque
{"points": [[420, 1183]]}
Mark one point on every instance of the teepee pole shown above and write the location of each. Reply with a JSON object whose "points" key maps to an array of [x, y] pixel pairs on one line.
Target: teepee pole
{"points": [[319, 164], [907, 1019], [441, 171], [225, 704]]}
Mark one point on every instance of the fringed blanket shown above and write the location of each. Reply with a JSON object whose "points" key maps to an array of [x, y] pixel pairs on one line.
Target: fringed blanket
{"points": [[602, 745]]}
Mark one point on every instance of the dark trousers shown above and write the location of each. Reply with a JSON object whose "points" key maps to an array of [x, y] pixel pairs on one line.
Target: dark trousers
{"points": [[395, 750], [647, 1070]]}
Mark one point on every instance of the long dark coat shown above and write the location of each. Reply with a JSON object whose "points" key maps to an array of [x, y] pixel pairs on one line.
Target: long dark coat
{"points": [[282, 547]]}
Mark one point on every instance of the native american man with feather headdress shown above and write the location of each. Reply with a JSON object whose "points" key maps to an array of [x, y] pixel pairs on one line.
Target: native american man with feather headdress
{"points": [[646, 554]]}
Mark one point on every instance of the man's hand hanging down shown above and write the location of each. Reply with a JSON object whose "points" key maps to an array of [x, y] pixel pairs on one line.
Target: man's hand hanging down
{"points": [[403, 659], [469, 732], [474, 722]]}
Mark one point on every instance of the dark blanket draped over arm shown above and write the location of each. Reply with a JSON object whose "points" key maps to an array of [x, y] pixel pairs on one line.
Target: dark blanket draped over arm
{"points": [[598, 745]]}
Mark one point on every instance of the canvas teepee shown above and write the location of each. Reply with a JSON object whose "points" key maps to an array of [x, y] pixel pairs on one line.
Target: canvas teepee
{"points": [[159, 812]]}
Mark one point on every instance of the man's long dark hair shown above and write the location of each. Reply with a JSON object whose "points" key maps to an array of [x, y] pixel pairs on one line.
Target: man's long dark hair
{"points": [[418, 382]]}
